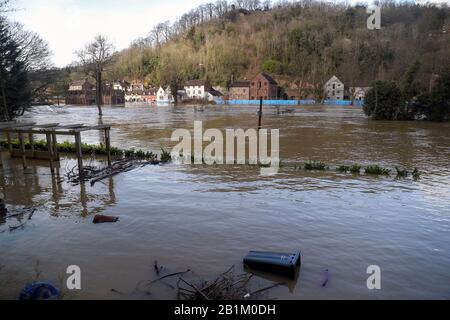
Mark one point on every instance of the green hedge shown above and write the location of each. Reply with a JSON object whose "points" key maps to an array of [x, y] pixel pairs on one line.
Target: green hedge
{"points": [[69, 147]]}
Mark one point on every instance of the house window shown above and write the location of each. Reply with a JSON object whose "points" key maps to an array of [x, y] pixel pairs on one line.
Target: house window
{"points": [[334, 86]]}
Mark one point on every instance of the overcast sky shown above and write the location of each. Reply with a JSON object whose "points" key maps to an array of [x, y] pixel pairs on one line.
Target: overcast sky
{"points": [[68, 24]]}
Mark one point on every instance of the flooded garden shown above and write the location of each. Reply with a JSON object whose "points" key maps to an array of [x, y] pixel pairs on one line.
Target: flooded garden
{"points": [[206, 218]]}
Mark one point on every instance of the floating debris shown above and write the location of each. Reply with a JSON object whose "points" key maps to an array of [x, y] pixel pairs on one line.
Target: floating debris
{"points": [[94, 175], [226, 286], [39, 291], [104, 219], [283, 264], [326, 278]]}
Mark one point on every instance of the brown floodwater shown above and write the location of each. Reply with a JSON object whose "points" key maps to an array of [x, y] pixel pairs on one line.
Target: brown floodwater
{"points": [[206, 218]]}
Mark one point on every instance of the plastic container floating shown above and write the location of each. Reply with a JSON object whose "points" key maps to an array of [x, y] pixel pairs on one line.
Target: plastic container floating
{"points": [[283, 264], [39, 291]]}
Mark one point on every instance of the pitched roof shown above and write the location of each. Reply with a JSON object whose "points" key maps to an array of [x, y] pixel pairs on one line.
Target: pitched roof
{"points": [[191, 83], [215, 93], [240, 84], [80, 82], [334, 79], [267, 77]]}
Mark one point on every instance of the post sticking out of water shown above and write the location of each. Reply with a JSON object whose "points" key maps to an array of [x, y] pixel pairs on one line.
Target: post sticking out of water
{"points": [[50, 150], [22, 149], [108, 146], [8, 137], [260, 113], [79, 153], [55, 146], [31, 138]]}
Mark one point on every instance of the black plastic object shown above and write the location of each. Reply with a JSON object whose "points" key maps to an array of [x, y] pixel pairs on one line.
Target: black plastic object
{"points": [[284, 264]]}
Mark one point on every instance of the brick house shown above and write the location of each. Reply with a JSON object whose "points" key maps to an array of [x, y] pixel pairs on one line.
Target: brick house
{"points": [[263, 86], [83, 93], [240, 90]]}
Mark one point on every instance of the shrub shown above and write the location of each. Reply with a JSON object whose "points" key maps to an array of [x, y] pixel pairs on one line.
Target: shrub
{"points": [[165, 156], [416, 174], [69, 147], [343, 169], [401, 173], [385, 102], [356, 169], [315, 165], [377, 170]]}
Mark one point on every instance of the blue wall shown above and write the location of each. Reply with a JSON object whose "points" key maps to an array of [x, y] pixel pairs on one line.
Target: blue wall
{"points": [[289, 102]]}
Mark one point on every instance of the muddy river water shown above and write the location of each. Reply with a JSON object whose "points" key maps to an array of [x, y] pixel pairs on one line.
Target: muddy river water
{"points": [[207, 218]]}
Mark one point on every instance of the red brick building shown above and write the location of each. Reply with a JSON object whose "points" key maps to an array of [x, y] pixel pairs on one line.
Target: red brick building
{"points": [[263, 86], [83, 93]]}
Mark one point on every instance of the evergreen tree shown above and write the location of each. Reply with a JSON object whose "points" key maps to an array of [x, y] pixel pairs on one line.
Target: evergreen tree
{"points": [[385, 102], [14, 85]]}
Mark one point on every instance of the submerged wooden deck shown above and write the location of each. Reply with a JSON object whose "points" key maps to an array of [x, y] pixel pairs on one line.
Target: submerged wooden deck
{"points": [[27, 130]]}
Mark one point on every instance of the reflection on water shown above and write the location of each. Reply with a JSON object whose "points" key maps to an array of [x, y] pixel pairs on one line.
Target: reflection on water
{"points": [[207, 218], [36, 187]]}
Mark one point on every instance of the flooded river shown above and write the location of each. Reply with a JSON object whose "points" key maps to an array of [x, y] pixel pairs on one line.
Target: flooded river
{"points": [[207, 218]]}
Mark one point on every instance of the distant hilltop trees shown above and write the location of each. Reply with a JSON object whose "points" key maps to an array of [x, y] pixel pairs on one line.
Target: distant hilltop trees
{"points": [[297, 42]]}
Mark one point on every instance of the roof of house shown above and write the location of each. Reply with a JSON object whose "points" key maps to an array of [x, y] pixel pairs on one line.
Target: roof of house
{"points": [[215, 93], [191, 83], [80, 82], [123, 83], [135, 92], [267, 77], [333, 79], [240, 84]]}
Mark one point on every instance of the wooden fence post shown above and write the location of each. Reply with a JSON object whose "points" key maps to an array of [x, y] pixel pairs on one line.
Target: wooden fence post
{"points": [[22, 149], [31, 138], [108, 146], [8, 137], [79, 153], [50, 150], [55, 147]]}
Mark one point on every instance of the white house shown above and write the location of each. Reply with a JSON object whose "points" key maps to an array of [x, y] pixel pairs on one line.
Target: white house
{"points": [[197, 89], [136, 87], [121, 85], [334, 89], [164, 96], [133, 96], [359, 93]]}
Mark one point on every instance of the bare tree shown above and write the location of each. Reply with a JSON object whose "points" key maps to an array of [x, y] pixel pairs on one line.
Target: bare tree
{"points": [[4, 6], [34, 51], [94, 58]]}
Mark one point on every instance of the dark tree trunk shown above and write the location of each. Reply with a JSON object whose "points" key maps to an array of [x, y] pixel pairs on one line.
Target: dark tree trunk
{"points": [[5, 105]]}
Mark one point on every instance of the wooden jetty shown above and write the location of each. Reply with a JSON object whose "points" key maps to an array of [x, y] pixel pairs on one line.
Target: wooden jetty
{"points": [[51, 131]]}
